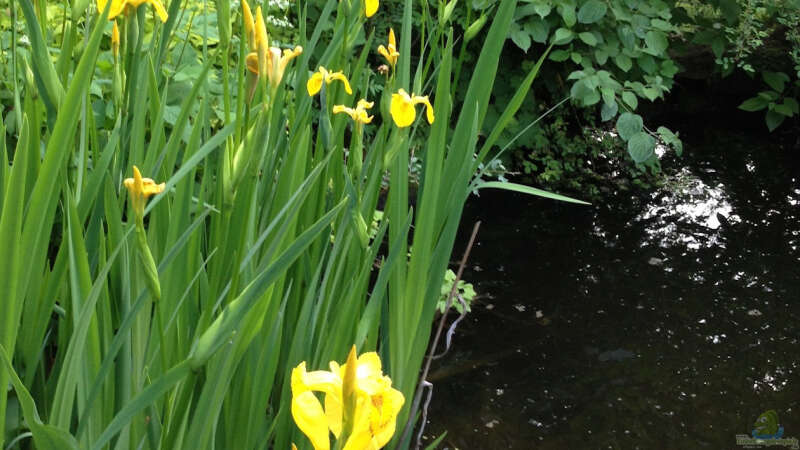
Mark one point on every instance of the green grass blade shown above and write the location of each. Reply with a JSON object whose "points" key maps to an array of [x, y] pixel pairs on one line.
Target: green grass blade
{"points": [[230, 318], [528, 190], [46, 437], [144, 399], [10, 230]]}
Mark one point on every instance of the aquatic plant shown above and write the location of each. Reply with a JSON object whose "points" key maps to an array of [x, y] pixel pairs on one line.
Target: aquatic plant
{"points": [[254, 253]]}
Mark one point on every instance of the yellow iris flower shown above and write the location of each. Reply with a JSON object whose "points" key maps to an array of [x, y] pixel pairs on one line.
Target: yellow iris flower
{"points": [[276, 62], [140, 189], [370, 7], [359, 113], [264, 60], [390, 51], [372, 412], [119, 7], [314, 84], [403, 111]]}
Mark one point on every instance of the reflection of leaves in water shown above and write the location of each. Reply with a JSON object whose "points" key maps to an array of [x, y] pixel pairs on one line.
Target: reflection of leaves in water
{"points": [[767, 423]]}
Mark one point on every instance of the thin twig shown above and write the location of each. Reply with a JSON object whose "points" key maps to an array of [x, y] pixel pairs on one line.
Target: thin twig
{"points": [[423, 381]]}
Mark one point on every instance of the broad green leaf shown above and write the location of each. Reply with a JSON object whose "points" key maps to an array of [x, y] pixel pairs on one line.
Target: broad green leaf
{"points": [[588, 38], [718, 46], [539, 29], [662, 25], [627, 37], [623, 62], [563, 36], [592, 11], [609, 95], [630, 99], [656, 42], [775, 80], [521, 38], [559, 55], [783, 109], [601, 56], [754, 104], [568, 14], [651, 93], [641, 146], [774, 120], [629, 124], [608, 111], [542, 9], [671, 139], [769, 96], [792, 104], [647, 63]]}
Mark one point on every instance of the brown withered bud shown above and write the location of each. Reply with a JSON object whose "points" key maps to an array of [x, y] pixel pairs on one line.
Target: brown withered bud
{"points": [[383, 69]]}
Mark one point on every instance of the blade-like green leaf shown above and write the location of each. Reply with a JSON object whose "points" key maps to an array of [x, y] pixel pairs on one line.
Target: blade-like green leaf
{"points": [[46, 437], [528, 190]]}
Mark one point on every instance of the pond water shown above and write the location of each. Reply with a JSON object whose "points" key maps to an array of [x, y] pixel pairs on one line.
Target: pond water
{"points": [[665, 321]]}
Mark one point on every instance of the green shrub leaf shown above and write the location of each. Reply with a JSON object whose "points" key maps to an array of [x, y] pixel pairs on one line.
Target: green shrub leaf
{"points": [[656, 42], [563, 36], [775, 80], [592, 11], [641, 146], [630, 99], [629, 124], [774, 120], [754, 104]]}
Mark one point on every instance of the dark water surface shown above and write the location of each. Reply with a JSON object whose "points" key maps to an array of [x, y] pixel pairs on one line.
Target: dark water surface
{"points": [[670, 321]]}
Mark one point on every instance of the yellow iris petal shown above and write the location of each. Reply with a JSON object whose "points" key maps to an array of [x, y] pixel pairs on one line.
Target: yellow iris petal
{"points": [[401, 109], [277, 63], [249, 25], [370, 7], [252, 62], [310, 418], [373, 403], [390, 52], [314, 83], [140, 189], [428, 107], [333, 411], [114, 10], [358, 114], [160, 10], [262, 42], [382, 419], [289, 55], [318, 380], [340, 77], [157, 5]]}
